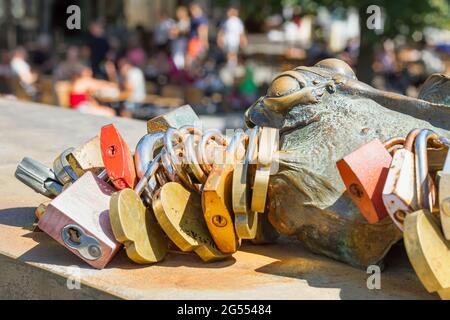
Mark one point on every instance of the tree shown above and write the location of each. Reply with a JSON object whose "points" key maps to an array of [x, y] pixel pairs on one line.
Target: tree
{"points": [[402, 17]]}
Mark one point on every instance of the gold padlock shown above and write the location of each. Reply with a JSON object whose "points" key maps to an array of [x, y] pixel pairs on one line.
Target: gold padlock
{"points": [[134, 225], [268, 146], [179, 214], [428, 251], [246, 220], [217, 199]]}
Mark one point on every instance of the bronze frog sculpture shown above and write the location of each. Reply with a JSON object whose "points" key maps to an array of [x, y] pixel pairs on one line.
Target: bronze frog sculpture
{"points": [[324, 113]]}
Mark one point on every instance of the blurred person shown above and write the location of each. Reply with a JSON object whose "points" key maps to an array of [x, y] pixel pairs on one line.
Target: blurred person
{"points": [[67, 68], [179, 35], [162, 31], [132, 82], [41, 55], [83, 84], [232, 36], [136, 53], [198, 36], [98, 46], [22, 70]]}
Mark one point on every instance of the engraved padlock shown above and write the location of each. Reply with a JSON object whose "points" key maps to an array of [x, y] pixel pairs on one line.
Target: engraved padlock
{"points": [[38, 177], [79, 220]]}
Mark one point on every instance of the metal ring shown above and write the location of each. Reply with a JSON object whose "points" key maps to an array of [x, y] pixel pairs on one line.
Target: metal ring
{"points": [[146, 150], [151, 171], [252, 146], [233, 146], [192, 161], [214, 135]]}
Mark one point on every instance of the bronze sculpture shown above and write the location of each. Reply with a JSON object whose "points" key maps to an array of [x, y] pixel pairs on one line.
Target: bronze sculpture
{"points": [[324, 113]]}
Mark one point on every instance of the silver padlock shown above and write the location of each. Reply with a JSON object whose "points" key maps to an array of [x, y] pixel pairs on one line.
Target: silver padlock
{"points": [[38, 177]]}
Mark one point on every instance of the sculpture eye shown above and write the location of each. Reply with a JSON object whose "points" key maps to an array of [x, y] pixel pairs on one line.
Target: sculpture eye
{"points": [[283, 86]]}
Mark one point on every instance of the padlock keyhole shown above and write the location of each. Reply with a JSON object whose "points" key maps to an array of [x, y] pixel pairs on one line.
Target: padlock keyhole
{"points": [[112, 150], [74, 236], [356, 190]]}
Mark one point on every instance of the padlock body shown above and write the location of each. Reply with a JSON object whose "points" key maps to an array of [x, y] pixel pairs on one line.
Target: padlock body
{"points": [[399, 194], [182, 116], [117, 158], [364, 174], [444, 199], [82, 211], [87, 157]]}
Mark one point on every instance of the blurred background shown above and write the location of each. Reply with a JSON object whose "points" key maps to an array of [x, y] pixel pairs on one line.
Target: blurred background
{"points": [[139, 58]]}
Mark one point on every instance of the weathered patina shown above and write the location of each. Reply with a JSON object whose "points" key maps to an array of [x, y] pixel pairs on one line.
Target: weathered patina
{"points": [[324, 113]]}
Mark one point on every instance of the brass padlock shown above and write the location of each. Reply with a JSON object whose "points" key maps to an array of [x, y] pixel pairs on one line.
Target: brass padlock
{"points": [[428, 251], [87, 157], [444, 197], [364, 173], [217, 199], [399, 193], [267, 148], [246, 220], [79, 220], [134, 225], [179, 214], [177, 118]]}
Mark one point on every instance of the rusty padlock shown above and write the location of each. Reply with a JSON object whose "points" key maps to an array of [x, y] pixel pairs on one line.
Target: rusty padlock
{"points": [[117, 158], [364, 173], [79, 220], [399, 193]]}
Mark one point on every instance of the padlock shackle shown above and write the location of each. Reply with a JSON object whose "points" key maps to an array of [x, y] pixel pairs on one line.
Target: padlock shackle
{"points": [[394, 142], [146, 150], [151, 171], [217, 137], [252, 145], [411, 138], [233, 146], [423, 188]]}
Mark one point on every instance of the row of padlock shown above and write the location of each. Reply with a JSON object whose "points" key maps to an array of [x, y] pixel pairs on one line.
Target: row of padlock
{"points": [[183, 188], [408, 180]]}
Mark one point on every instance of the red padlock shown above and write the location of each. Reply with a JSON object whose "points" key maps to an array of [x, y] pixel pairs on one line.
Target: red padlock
{"points": [[364, 172], [117, 158]]}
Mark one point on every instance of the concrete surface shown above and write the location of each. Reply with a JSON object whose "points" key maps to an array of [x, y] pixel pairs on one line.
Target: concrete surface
{"points": [[33, 266]]}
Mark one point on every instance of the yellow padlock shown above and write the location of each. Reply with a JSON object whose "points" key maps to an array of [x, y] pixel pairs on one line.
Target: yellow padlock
{"points": [[134, 225], [427, 250], [268, 146], [179, 214], [217, 199]]}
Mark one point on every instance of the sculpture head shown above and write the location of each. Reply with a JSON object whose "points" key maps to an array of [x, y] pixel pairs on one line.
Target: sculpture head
{"points": [[324, 113]]}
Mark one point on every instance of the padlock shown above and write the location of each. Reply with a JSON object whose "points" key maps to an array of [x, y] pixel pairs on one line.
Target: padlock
{"points": [[399, 193], [364, 173], [217, 200], [425, 188], [87, 157], [79, 220], [135, 226], [444, 197], [246, 220], [63, 171], [428, 251], [177, 118], [38, 177], [211, 149], [267, 148], [117, 158], [179, 214]]}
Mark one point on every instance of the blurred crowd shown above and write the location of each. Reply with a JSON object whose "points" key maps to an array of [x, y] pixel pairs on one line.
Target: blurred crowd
{"points": [[181, 62]]}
